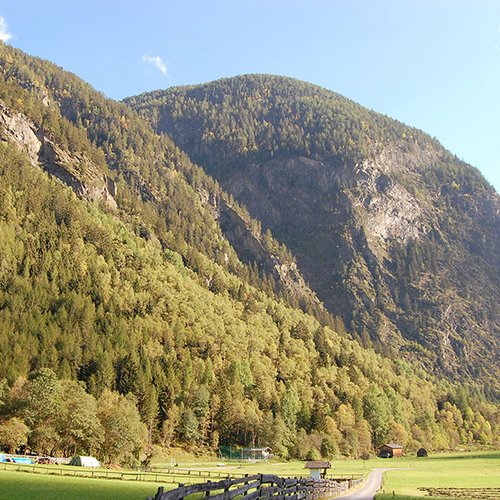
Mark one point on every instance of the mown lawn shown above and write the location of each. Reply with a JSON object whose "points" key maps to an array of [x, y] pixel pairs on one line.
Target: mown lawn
{"points": [[23, 485], [455, 470]]}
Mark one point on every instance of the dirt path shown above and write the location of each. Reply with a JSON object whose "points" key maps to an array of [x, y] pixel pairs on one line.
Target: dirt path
{"points": [[368, 489]]}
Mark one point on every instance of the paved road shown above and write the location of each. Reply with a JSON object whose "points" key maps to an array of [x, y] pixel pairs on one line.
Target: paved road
{"points": [[369, 488]]}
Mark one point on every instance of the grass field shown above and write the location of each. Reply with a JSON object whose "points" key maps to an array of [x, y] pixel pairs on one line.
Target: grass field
{"points": [[23, 485], [289, 468], [466, 470], [470, 472]]}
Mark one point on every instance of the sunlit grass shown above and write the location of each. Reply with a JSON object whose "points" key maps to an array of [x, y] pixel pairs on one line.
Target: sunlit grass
{"points": [[457, 470], [465, 470], [22, 486]]}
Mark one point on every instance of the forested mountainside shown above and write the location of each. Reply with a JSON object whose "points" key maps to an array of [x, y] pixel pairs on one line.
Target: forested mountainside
{"points": [[151, 181], [118, 285], [394, 234]]}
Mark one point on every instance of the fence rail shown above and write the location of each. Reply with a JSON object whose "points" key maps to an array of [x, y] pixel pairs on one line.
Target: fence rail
{"points": [[156, 477], [262, 487], [252, 487], [207, 474]]}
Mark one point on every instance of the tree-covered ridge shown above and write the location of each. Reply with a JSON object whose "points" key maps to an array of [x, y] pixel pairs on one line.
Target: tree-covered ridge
{"points": [[263, 116], [158, 188], [258, 117], [395, 234], [85, 296]]}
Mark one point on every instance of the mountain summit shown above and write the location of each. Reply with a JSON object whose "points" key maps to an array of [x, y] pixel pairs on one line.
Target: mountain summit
{"points": [[395, 234]]}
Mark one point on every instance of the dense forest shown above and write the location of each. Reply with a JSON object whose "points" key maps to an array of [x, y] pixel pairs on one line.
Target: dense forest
{"points": [[134, 323], [158, 188], [263, 116], [94, 302], [394, 234]]}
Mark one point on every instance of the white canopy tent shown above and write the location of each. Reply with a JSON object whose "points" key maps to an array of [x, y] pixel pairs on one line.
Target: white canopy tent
{"points": [[82, 461]]}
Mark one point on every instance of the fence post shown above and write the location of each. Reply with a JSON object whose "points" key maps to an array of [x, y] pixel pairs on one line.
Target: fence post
{"points": [[226, 488], [159, 493]]}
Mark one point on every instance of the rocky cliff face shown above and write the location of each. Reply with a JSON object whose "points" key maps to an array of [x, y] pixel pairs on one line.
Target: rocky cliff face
{"points": [[392, 232], [76, 171], [253, 248], [363, 241]]}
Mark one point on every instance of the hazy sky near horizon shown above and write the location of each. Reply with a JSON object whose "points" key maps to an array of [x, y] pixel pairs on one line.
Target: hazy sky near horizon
{"points": [[433, 64]]}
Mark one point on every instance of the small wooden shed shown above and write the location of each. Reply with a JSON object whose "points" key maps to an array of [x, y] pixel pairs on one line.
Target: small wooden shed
{"points": [[259, 453], [391, 450], [317, 468]]}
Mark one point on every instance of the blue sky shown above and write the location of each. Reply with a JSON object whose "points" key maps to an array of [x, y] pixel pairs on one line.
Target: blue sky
{"points": [[433, 64]]}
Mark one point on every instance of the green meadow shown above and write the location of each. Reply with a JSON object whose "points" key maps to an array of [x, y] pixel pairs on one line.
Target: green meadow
{"points": [[24, 485], [469, 471], [475, 475]]}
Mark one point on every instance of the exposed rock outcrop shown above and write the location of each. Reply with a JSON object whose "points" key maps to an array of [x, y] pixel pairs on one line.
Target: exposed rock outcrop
{"points": [[252, 247], [76, 171]]}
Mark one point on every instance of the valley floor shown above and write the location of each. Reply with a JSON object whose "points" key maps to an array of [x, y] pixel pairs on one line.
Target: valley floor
{"points": [[474, 475], [453, 475]]}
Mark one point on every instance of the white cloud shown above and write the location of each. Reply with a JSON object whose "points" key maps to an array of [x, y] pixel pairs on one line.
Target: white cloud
{"points": [[5, 36], [156, 61]]}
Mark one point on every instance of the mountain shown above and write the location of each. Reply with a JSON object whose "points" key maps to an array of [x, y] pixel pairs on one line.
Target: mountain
{"points": [[395, 235], [124, 268], [202, 218]]}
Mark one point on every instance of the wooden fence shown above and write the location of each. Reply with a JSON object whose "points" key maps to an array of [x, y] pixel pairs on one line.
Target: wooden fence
{"points": [[199, 473], [178, 477], [262, 487]]}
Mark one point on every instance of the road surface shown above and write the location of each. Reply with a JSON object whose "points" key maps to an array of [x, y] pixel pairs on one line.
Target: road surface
{"points": [[368, 489]]}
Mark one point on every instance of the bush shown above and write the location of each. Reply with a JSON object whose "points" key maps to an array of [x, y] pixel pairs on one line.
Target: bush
{"points": [[313, 454]]}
